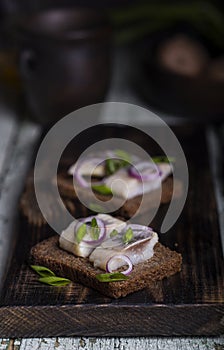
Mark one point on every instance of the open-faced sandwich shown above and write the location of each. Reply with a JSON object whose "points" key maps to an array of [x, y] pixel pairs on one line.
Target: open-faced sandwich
{"points": [[139, 176], [107, 254]]}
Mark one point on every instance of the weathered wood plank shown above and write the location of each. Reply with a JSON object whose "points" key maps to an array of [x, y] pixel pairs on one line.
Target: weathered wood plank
{"points": [[87, 343], [216, 159], [13, 181], [111, 320], [8, 134]]}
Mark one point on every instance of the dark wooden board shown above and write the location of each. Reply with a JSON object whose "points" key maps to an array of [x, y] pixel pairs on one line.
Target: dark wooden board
{"points": [[188, 303]]}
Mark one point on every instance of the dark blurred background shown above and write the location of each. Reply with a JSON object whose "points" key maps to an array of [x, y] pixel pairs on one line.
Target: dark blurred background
{"points": [[54, 62]]}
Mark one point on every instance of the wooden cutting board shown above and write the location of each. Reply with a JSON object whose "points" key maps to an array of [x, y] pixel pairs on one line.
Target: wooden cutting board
{"points": [[188, 303]]}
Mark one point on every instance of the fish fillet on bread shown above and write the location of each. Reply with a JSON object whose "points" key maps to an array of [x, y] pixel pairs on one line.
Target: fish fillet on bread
{"points": [[88, 258]]}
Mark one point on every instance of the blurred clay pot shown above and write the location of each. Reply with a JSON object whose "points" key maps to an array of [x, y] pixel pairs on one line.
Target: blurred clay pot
{"points": [[64, 57]]}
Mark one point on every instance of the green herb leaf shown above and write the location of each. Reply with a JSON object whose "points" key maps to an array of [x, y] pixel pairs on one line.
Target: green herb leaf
{"points": [[96, 207], [55, 281], [113, 233], [48, 276], [111, 166], [81, 232], [127, 237], [163, 159], [102, 189], [95, 231], [94, 222], [122, 154], [111, 277], [42, 271]]}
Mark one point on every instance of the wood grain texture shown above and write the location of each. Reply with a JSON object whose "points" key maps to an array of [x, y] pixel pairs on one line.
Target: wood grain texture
{"points": [[190, 303], [110, 320], [215, 142], [17, 145], [92, 343]]}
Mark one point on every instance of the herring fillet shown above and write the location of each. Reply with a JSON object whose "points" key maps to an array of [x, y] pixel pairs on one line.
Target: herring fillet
{"points": [[121, 183], [124, 186], [67, 238], [94, 164], [87, 169], [138, 251]]}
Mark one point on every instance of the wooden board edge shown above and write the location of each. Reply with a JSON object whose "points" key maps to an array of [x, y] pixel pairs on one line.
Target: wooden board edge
{"points": [[122, 320]]}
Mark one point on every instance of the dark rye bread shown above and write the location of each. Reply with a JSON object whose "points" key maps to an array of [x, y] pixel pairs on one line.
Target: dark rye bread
{"points": [[164, 263], [66, 189], [31, 211]]}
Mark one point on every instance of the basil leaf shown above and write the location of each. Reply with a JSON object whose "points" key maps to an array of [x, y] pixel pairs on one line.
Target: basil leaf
{"points": [[42, 270], [96, 207], [113, 233], [163, 159], [102, 189], [95, 231], [55, 281], [80, 233], [127, 237], [111, 277]]}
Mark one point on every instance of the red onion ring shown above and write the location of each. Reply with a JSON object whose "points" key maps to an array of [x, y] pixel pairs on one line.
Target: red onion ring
{"points": [[122, 257], [140, 171], [137, 227], [140, 231], [78, 175], [101, 226]]}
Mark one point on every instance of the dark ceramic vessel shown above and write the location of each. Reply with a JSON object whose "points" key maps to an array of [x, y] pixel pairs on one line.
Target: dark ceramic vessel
{"points": [[198, 97], [64, 60]]}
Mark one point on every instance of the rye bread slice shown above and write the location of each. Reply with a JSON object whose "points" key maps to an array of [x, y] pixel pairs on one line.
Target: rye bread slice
{"points": [[66, 189], [31, 211], [164, 263]]}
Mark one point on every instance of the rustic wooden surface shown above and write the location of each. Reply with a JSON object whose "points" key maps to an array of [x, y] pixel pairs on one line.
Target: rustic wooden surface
{"points": [[9, 131], [90, 343], [199, 285], [17, 142]]}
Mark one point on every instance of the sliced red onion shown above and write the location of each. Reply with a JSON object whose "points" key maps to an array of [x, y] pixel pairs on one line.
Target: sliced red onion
{"points": [[140, 232], [78, 172], [79, 178], [145, 171], [122, 257], [137, 227], [101, 226]]}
